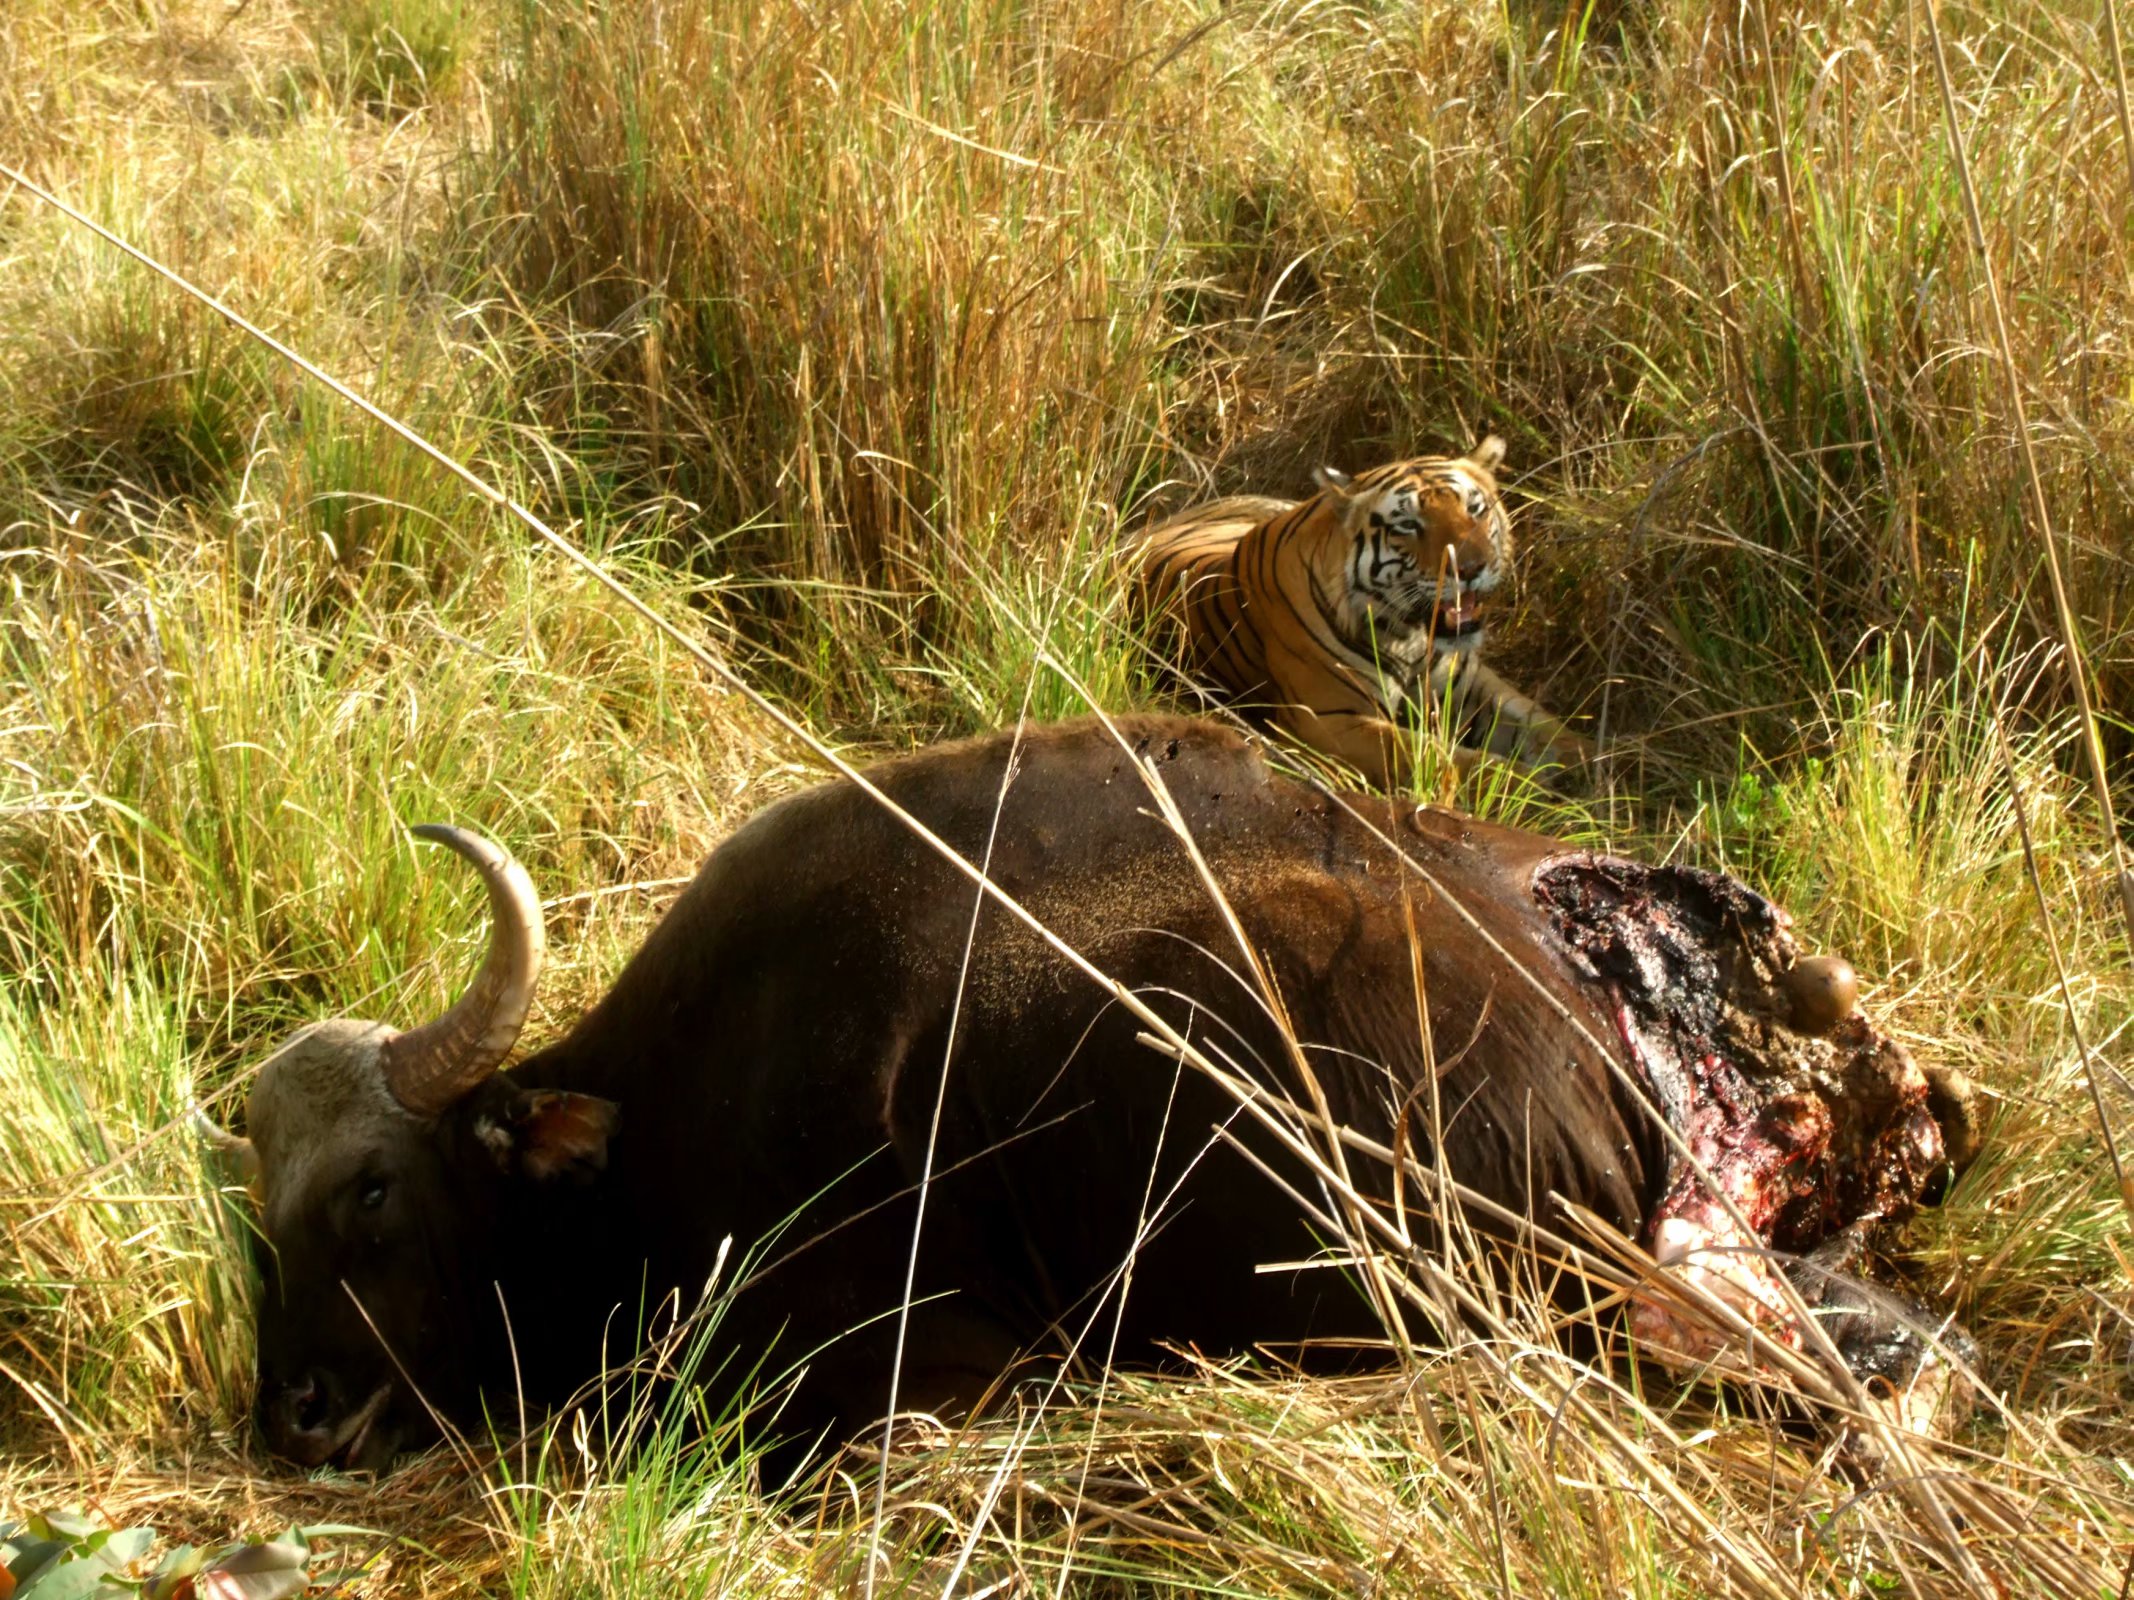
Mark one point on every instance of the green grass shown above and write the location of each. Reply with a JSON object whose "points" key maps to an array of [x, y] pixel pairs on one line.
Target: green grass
{"points": [[852, 337], [391, 56]]}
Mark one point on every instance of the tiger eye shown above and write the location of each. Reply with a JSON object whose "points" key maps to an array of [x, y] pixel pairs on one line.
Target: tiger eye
{"points": [[1822, 991]]}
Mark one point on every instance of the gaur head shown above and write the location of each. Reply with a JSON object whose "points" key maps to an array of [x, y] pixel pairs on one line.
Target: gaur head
{"points": [[382, 1162]]}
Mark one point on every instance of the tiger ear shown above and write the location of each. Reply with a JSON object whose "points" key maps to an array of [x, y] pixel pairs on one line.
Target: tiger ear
{"points": [[1333, 478], [1489, 454]]}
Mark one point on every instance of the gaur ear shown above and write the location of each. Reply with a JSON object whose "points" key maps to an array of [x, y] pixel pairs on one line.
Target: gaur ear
{"points": [[549, 1133], [1333, 478], [1489, 454]]}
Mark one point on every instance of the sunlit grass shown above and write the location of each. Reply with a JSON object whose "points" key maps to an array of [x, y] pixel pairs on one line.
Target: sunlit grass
{"points": [[853, 336]]}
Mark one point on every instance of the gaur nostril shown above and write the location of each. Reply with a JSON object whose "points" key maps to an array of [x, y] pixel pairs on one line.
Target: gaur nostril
{"points": [[301, 1406]]}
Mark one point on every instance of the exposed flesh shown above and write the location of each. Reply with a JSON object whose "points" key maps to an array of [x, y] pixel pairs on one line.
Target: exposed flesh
{"points": [[1804, 1134]]}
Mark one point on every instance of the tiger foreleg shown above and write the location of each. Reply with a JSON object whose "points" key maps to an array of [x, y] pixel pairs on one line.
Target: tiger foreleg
{"points": [[1374, 746], [1497, 717]]}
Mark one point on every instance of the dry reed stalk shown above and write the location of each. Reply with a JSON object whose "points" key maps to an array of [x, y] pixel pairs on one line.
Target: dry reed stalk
{"points": [[726, 675], [1295, 1114], [2059, 964], [2126, 136], [2063, 608]]}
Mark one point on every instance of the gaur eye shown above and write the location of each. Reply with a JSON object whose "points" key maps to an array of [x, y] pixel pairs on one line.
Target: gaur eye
{"points": [[370, 1193]]}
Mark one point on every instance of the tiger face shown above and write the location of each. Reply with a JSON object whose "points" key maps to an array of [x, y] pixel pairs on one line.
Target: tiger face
{"points": [[1426, 540]]}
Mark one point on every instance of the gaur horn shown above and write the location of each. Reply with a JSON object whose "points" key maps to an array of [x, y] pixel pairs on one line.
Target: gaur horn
{"points": [[233, 1148], [430, 1067]]}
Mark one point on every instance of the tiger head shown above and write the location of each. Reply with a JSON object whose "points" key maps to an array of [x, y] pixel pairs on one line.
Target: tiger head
{"points": [[1421, 542]]}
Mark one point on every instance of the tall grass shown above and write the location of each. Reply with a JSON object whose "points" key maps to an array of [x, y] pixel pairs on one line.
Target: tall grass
{"points": [[854, 334], [1713, 285], [202, 841]]}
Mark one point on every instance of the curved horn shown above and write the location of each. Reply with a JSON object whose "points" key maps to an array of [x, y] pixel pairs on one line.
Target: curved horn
{"points": [[429, 1067], [237, 1150]]}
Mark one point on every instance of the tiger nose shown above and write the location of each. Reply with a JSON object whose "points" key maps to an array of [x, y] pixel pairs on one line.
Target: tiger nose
{"points": [[1472, 564]]}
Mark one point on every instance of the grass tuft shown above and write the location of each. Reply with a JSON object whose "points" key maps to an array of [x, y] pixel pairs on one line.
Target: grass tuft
{"points": [[852, 337]]}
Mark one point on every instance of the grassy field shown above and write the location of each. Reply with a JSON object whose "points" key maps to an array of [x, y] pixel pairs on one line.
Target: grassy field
{"points": [[852, 335]]}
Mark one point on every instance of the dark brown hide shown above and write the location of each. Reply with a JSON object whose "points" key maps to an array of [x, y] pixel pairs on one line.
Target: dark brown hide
{"points": [[775, 1052]]}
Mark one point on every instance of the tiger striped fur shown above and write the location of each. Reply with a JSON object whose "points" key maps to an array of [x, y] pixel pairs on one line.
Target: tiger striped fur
{"points": [[1333, 614]]}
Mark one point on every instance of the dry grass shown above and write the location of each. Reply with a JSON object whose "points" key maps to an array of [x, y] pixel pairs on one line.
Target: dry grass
{"points": [[850, 335]]}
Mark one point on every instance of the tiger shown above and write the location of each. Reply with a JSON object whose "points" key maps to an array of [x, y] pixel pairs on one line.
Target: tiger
{"points": [[1333, 614]]}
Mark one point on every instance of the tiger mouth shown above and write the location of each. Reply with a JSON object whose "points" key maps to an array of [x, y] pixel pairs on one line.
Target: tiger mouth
{"points": [[1456, 619]]}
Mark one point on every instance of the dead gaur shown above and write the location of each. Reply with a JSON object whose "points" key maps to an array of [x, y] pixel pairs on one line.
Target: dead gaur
{"points": [[768, 1067]]}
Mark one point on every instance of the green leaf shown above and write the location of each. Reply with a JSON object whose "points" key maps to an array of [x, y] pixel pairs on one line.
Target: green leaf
{"points": [[69, 1527], [81, 1559], [172, 1572], [272, 1571], [73, 1580], [128, 1545], [33, 1557], [349, 1566], [277, 1555]]}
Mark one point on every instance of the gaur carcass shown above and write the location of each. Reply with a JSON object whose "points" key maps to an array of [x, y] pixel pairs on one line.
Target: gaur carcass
{"points": [[439, 1234]]}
